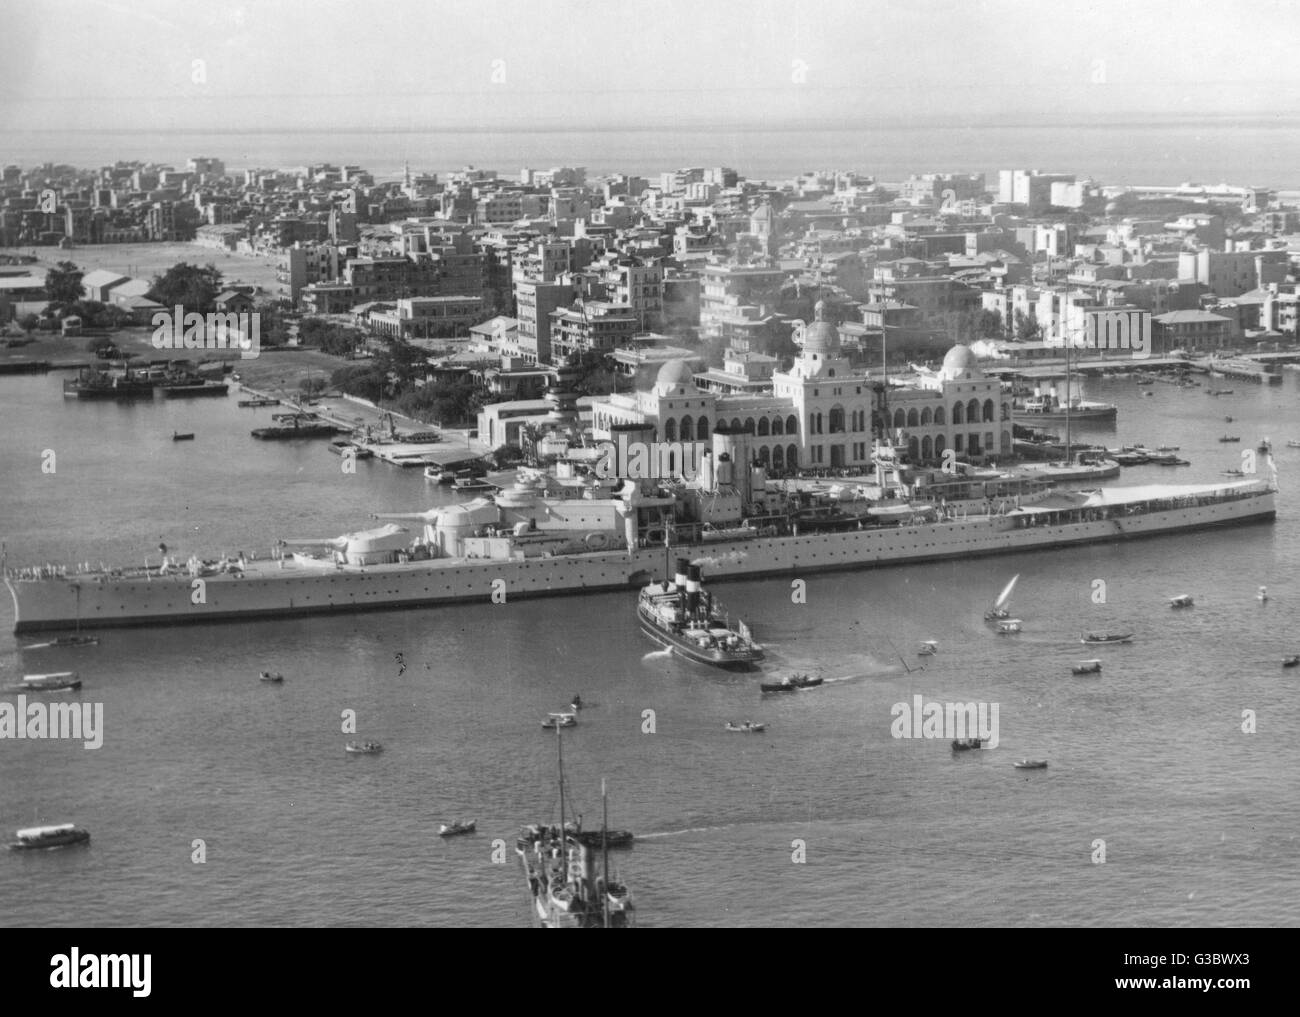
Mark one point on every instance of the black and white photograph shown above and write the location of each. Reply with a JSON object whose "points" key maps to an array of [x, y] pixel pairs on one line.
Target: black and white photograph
{"points": [[705, 464]]}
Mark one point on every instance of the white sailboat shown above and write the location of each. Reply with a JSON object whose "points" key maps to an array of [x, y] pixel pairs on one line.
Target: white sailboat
{"points": [[1000, 609]]}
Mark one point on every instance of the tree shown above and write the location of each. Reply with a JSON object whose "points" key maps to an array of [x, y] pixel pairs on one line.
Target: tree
{"points": [[313, 386], [191, 287], [63, 284], [1027, 328], [29, 322], [989, 325]]}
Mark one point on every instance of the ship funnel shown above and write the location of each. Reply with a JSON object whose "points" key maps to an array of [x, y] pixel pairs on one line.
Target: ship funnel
{"points": [[680, 579], [693, 589]]}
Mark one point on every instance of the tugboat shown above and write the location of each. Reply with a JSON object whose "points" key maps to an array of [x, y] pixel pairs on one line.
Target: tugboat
{"points": [[37, 837], [558, 866], [682, 616]]}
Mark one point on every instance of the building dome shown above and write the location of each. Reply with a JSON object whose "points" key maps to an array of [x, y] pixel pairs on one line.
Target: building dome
{"points": [[673, 375], [821, 336], [960, 363]]}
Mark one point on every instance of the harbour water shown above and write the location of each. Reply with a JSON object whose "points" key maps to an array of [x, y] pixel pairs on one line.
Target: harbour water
{"points": [[1149, 756]]}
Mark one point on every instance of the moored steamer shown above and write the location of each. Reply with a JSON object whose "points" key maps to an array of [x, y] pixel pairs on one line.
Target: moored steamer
{"points": [[684, 617]]}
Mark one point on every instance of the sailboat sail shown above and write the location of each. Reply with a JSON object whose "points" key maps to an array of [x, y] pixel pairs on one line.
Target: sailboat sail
{"points": [[745, 634], [1005, 595]]}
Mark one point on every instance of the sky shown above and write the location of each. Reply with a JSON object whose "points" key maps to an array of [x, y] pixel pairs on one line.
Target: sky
{"points": [[491, 64]]}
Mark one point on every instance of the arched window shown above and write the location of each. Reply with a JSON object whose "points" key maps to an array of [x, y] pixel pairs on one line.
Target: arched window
{"points": [[778, 458], [778, 426], [702, 429], [913, 418], [973, 411], [749, 425], [735, 423], [958, 415], [913, 448], [990, 411], [1006, 411], [688, 429], [927, 449], [927, 417], [764, 455], [791, 457], [791, 424], [836, 422], [764, 428], [900, 419], [939, 416], [1006, 443], [670, 429], [939, 446]]}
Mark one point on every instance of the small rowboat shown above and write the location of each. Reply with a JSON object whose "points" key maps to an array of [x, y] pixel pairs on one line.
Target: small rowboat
{"points": [[268, 676], [557, 720], [176, 436], [747, 728], [1291, 661], [1182, 600], [1030, 764], [792, 683], [64, 641], [1230, 438], [1106, 637], [1293, 444], [59, 681], [365, 748], [38, 837], [1009, 627], [456, 828], [965, 744], [610, 838], [928, 649], [1087, 667]]}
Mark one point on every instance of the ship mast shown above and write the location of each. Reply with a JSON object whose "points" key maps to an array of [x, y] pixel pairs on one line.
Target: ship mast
{"points": [[1065, 334], [604, 849], [564, 842]]}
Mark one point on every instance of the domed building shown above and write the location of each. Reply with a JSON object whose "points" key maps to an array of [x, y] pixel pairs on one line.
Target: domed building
{"points": [[960, 364], [831, 402], [957, 407]]}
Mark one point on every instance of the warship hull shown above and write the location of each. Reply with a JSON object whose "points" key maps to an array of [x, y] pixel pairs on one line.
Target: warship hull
{"points": [[271, 589]]}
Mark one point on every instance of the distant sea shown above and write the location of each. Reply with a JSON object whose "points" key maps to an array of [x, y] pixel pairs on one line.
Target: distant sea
{"points": [[823, 820], [1261, 151]]}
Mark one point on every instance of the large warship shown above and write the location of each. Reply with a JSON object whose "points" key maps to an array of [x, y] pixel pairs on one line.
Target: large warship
{"points": [[538, 538]]}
